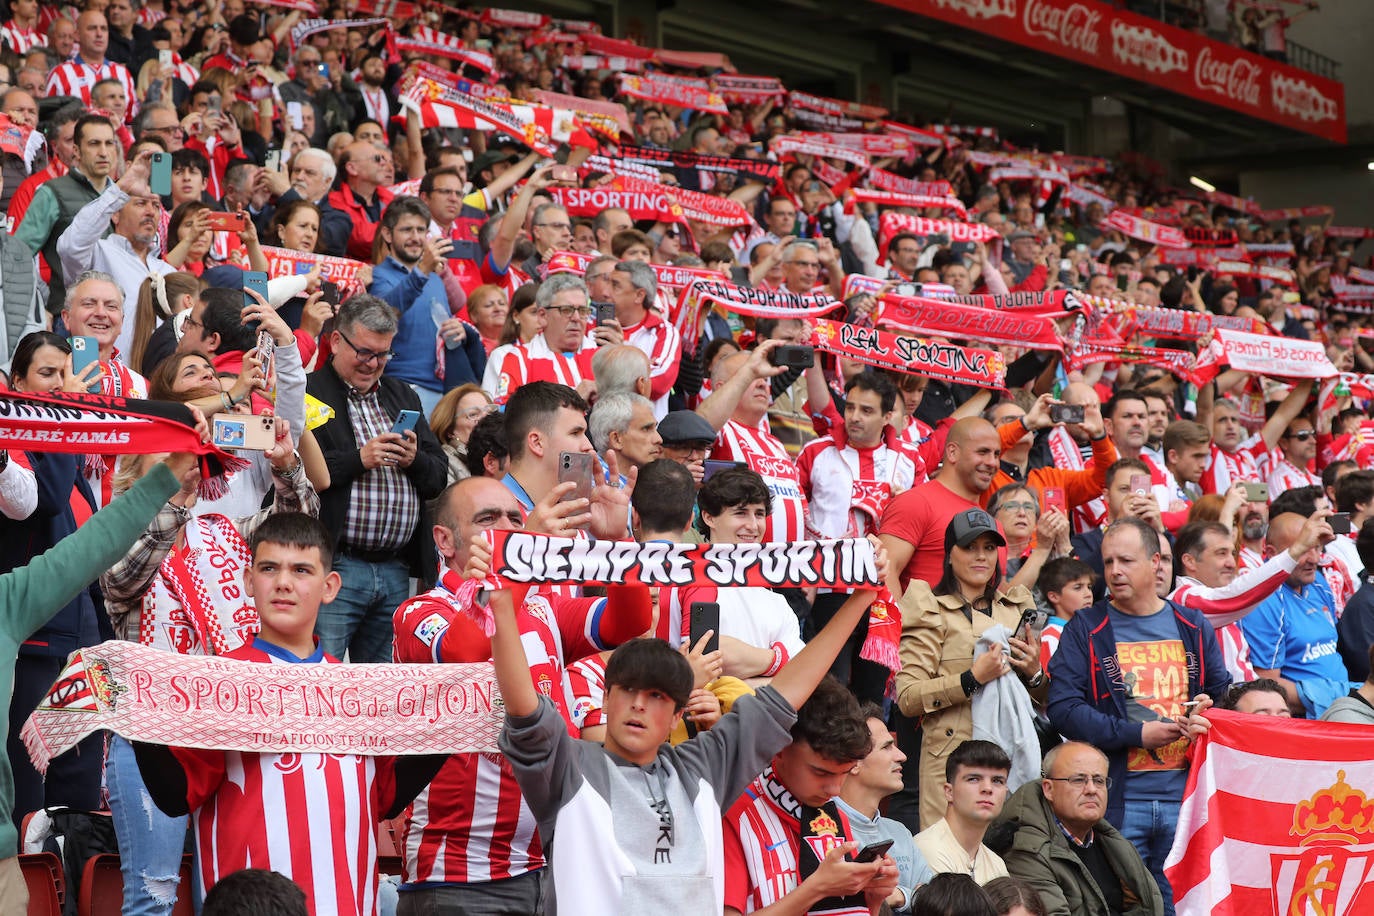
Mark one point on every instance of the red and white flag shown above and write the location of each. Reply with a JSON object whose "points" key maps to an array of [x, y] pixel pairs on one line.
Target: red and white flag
{"points": [[1276, 820]]}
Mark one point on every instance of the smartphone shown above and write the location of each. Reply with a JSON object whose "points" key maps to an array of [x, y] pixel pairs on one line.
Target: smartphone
{"points": [[577, 467], [793, 356], [253, 280], [873, 851], [219, 221], [164, 58], [605, 312], [1030, 618], [1066, 413], [213, 106], [1339, 522], [1140, 485], [564, 173], [293, 114], [85, 350], [267, 353], [274, 160], [329, 292], [711, 466], [1256, 492], [1123, 282], [253, 432], [705, 616], [160, 174], [1054, 499], [405, 422]]}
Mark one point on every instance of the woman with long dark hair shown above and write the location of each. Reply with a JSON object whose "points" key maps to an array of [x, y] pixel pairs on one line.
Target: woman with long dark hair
{"points": [[940, 627]]}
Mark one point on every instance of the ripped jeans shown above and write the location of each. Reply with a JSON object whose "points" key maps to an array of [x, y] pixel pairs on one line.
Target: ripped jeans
{"points": [[150, 842]]}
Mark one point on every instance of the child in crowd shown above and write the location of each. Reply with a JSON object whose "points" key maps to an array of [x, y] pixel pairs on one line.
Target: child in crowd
{"points": [[266, 810], [1067, 585]]}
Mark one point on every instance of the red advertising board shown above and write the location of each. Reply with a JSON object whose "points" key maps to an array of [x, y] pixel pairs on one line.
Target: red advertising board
{"points": [[1099, 35]]}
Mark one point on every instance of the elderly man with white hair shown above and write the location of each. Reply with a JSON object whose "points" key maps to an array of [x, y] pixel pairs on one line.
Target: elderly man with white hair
{"points": [[624, 423], [311, 178], [621, 369]]}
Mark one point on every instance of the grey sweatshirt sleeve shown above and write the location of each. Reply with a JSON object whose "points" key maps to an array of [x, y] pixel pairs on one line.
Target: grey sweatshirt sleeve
{"points": [[737, 748], [545, 761]]}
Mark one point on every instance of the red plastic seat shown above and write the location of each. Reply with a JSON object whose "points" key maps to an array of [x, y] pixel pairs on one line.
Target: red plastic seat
{"points": [[102, 888], [43, 876]]}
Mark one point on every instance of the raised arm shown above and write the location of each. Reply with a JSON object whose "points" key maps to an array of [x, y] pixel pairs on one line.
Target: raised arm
{"points": [[1286, 412]]}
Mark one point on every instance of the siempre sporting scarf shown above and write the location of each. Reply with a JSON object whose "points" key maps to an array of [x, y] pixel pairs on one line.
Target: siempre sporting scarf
{"points": [[911, 355], [197, 604], [643, 200], [653, 87], [968, 322], [85, 423], [226, 704]]}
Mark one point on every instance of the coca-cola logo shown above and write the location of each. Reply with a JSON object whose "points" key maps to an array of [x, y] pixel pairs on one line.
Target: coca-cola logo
{"points": [[1300, 99], [1074, 26], [980, 9], [1146, 48], [1237, 79]]}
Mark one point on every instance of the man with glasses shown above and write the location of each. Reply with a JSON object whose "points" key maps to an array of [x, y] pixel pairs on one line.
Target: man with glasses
{"points": [[1297, 448], [310, 178], [160, 120], [634, 288], [1065, 847], [380, 483], [903, 254], [687, 439], [563, 352], [551, 230], [362, 197], [801, 268], [452, 218]]}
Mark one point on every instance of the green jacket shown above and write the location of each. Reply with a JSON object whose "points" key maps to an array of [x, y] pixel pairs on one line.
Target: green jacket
{"points": [[1041, 854], [31, 594]]}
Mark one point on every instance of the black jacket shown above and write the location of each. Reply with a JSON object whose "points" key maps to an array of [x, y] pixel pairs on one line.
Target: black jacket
{"points": [[428, 473]]}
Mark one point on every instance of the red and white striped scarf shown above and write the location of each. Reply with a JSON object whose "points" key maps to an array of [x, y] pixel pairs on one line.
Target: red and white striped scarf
{"points": [[197, 603]]}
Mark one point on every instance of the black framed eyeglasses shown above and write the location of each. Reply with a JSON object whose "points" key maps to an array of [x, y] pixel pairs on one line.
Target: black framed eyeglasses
{"points": [[1302, 435], [367, 356]]}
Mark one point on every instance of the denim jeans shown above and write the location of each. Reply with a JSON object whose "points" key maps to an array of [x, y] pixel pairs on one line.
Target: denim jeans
{"points": [[358, 620], [522, 896], [1150, 826], [150, 842]]}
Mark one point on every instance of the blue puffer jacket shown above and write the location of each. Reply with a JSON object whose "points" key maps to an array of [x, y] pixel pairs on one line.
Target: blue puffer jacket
{"points": [[1088, 695]]}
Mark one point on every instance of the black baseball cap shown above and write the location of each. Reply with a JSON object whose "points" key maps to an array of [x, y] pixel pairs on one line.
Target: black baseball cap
{"points": [[968, 526]]}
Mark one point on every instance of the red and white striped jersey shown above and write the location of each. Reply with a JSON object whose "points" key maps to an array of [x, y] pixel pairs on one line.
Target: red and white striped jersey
{"points": [[662, 343], [183, 71], [536, 361], [311, 817], [762, 451], [587, 680], [149, 17], [847, 488], [1286, 475], [1224, 606], [762, 836], [1248, 462], [76, 78], [1049, 641], [471, 823], [21, 40]]}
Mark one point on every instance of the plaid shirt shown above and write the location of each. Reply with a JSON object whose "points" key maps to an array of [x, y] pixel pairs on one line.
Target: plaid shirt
{"points": [[385, 508], [126, 582]]}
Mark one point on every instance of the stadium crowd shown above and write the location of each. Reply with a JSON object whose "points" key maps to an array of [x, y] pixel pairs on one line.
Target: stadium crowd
{"points": [[523, 276]]}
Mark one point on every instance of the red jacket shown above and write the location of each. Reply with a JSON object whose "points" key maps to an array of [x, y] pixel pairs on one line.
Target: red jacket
{"points": [[345, 200]]}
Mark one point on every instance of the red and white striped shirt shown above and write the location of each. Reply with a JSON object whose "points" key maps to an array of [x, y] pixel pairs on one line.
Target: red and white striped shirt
{"points": [[1247, 462], [762, 451], [762, 836], [1224, 606], [77, 78], [1288, 476], [21, 40], [847, 488], [587, 679], [149, 17], [471, 823], [662, 343], [183, 71], [311, 817]]}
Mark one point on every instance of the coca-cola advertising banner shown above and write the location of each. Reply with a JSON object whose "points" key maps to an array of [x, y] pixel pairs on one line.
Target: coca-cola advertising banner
{"points": [[1097, 34]]}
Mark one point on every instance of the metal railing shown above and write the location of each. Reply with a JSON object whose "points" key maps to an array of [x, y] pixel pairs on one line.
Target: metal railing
{"points": [[1305, 58]]}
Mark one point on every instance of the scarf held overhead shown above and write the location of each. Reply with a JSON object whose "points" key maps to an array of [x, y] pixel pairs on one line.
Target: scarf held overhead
{"points": [[199, 701], [951, 319], [912, 355]]}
